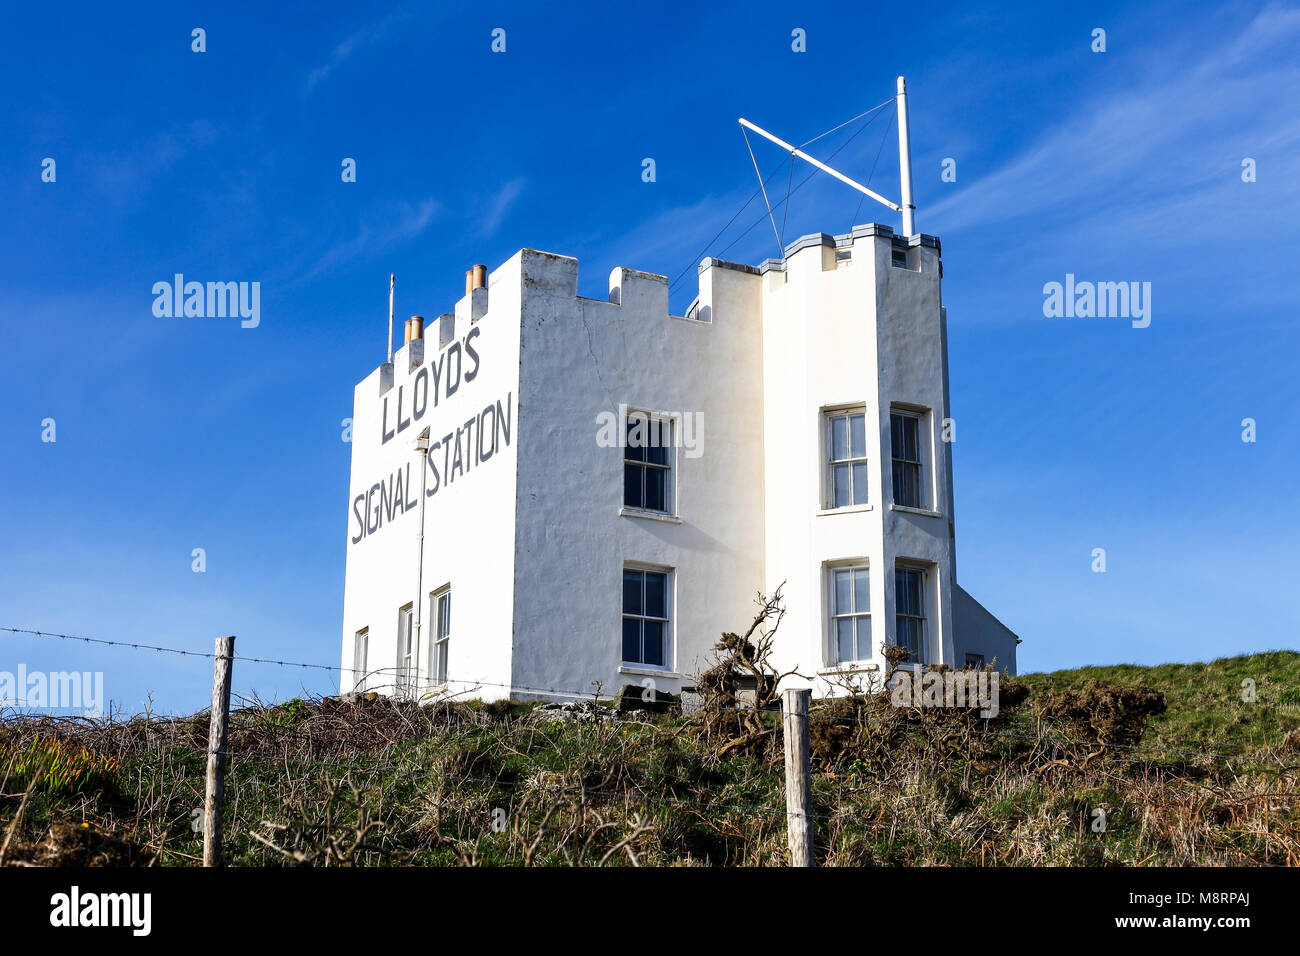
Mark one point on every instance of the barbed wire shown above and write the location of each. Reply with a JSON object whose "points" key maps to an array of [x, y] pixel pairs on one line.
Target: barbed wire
{"points": [[469, 685]]}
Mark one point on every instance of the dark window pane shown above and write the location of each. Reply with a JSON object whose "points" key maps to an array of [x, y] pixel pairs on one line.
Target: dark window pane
{"points": [[632, 581], [654, 643], [912, 438], [632, 493], [907, 587], [896, 436], [631, 640], [656, 594], [909, 637], [904, 437], [656, 489], [634, 445], [907, 487], [657, 454]]}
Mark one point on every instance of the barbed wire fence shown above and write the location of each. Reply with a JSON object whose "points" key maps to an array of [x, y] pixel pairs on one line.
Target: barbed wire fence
{"points": [[795, 714]]}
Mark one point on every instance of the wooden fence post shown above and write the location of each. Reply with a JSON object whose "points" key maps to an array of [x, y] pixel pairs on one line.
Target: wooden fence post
{"points": [[798, 783], [222, 662]]}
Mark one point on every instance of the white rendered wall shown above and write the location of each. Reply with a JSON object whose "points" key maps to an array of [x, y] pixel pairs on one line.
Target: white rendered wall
{"points": [[533, 542], [582, 357], [469, 519], [840, 332]]}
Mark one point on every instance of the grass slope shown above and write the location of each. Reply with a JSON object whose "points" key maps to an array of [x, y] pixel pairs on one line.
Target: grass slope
{"points": [[357, 782]]}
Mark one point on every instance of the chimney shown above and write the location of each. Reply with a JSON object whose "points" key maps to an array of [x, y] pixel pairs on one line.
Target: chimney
{"points": [[475, 278], [414, 328]]}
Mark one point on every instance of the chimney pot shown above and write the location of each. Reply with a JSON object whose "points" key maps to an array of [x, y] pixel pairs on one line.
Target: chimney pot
{"points": [[475, 278], [414, 328]]}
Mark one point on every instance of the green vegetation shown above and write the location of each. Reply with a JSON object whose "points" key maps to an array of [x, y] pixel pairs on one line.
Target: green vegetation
{"points": [[1205, 709], [378, 782]]}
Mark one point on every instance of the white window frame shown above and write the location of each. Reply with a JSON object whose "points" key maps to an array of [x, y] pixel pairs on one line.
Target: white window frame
{"points": [[829, 415], [834, 613], [440, 645], [670, 579], [923, 640], [406, 671], [922, 464], [360, 659], [660, 423]]}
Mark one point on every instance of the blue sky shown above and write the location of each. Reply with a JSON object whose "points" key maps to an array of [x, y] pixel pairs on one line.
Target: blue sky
{"points": [[1073, 434]]}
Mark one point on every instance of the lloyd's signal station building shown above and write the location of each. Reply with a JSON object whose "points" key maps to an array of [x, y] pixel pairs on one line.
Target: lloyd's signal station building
{"points": [[550, 491]]}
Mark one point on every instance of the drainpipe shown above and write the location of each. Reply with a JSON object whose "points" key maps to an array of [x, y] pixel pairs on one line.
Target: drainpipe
{"points": [[422, 455]]}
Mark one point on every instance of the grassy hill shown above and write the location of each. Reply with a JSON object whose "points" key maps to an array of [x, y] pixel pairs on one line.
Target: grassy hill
{"points": [[375, 782], [1205, 706]]}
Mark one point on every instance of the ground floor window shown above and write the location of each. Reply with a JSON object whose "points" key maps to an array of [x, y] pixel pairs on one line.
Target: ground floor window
{"points": [[405, 638], [850, 604], [360, 655], [909, 612], [440, 611], [645, 617]]}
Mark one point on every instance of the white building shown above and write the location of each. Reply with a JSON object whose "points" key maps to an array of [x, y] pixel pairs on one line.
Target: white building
{"points": [[504, 537]]}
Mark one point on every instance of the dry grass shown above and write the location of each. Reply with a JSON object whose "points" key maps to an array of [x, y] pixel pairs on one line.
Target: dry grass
{"points": [[378, 782]]}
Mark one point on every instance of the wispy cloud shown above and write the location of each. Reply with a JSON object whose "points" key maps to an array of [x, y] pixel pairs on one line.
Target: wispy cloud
{"points": [[1167, 147], [499, 206], [373, 34], [406, 222]]}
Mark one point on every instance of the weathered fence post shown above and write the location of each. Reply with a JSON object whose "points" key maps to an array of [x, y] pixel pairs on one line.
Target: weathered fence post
{"points": [[216, 783], [798, 784]]}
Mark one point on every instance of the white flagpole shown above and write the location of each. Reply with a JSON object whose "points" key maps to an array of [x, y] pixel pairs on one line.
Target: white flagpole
{"points": [[392, 281], [905, 161]]}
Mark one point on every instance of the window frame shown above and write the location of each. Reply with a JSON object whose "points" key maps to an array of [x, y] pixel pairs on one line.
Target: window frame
{"points": [[360, 649], [829, 461], [661, 422], [834, 615], [923, 638], [406, 664], [440, 643], [920, 464], [666, 649]]}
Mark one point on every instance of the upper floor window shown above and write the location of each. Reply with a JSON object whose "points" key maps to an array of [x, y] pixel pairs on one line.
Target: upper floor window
{"points": [[648, 462], [909, 612], [645, 617], [850, 603], [846, 446], [905, 449]]}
